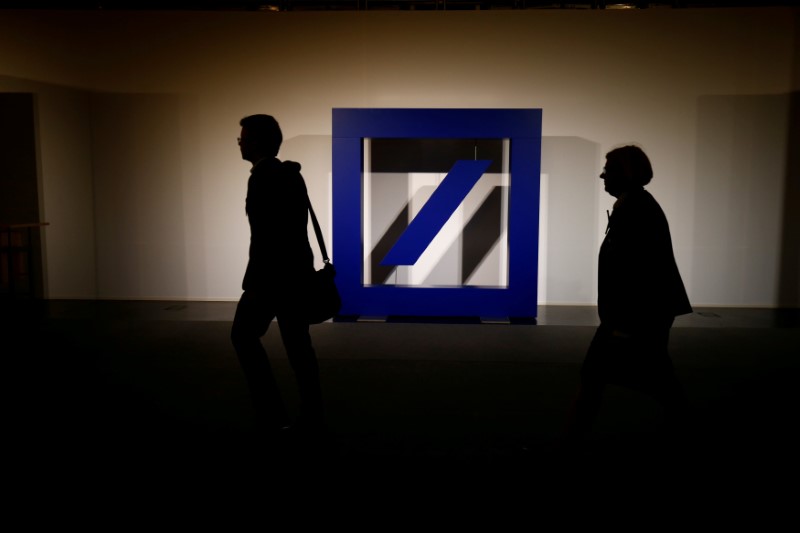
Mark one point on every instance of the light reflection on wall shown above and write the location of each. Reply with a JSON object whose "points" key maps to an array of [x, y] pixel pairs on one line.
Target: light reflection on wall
{"points": [[156, 210]]}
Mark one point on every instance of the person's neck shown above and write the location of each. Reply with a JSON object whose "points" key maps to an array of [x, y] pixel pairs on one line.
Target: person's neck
{"points": [[624, 195], [258, 160]]}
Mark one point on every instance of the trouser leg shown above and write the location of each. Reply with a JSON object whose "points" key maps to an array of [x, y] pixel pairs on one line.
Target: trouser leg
{"points": [[250, 323], [583, 412], [303, 359], [586, 405], [672, 397], [664, 384]]}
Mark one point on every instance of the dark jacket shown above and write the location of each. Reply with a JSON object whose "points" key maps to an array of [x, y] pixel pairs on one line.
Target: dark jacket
{"points": [[277, 209], [639, 285]]}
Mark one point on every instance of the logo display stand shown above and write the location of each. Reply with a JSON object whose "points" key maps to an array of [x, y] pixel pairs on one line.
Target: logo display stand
{"points": [[436, 212]]}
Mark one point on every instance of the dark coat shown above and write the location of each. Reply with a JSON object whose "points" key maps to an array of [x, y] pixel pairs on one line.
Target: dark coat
{"points": [[277, 209], [639, 285]]}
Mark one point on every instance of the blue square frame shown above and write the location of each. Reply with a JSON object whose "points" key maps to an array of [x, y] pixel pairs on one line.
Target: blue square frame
{"points": [[524, 129]]}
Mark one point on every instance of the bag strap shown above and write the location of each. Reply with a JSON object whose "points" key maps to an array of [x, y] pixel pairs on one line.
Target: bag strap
{"points": [[318, 232]]}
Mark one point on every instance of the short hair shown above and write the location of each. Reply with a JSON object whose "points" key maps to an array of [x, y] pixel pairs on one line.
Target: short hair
{"points": [[633, 163], [263, 130]]}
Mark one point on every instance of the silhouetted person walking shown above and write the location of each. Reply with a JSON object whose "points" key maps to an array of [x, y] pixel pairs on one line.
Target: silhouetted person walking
{"points": [[280, 263], [640, 292]]}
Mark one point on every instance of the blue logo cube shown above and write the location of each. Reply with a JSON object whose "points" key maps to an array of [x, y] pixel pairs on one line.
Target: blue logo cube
{"points": [[491, 154]]}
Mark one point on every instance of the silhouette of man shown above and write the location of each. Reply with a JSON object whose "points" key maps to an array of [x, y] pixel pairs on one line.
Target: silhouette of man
{"points": [[280, 263], [640, 292]]}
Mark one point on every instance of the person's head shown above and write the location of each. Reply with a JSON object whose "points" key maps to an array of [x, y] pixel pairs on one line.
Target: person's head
{"points": [[261, 137], [627, 169]]}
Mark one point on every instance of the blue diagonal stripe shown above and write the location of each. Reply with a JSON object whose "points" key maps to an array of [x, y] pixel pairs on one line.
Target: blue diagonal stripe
{"points": [[436, 212]]}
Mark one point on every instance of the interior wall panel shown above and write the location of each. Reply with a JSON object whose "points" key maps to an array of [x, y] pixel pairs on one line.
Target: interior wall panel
{"points": [[163, 215]]}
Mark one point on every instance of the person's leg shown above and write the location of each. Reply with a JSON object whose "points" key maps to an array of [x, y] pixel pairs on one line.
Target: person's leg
{"points": [[302, 357], [663, 383], [669, 392], [586, 405], [252, 319], [583, 412]]}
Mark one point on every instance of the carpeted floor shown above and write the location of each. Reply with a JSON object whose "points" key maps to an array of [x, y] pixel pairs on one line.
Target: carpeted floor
{"points": [[117, 390]]}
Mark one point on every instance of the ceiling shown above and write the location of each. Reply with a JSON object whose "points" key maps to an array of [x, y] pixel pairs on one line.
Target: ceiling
{"points": [[370, 5]]}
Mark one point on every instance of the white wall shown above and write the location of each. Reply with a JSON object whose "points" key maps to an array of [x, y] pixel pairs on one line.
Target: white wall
{"points": [[145, 108]]}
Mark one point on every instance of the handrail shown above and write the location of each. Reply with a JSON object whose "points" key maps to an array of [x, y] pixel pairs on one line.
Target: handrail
{"points": [[23, 225]]}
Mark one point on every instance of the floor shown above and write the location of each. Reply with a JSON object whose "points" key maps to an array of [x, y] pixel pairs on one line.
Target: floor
{"points": [[112, 391]]}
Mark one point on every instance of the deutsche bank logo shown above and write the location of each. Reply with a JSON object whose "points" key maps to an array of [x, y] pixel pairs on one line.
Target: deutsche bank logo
{"points": [[435, 211], [434, 214]]}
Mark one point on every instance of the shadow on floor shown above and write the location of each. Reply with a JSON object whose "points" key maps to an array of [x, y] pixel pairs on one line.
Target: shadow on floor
{"points": [[115, 397]]}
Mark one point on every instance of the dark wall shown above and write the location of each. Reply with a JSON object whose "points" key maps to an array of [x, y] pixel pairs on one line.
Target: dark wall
{"points": [[19, 200], [21, 272]]}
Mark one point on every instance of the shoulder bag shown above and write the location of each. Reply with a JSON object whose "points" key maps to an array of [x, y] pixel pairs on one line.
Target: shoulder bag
{"points": [[323, 300]]}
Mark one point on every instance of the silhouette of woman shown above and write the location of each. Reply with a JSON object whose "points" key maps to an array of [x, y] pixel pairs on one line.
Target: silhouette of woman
{"points": [[640, 292]]}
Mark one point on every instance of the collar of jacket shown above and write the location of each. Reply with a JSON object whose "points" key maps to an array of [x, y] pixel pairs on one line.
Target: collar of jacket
{"points": [[261, 162]]}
